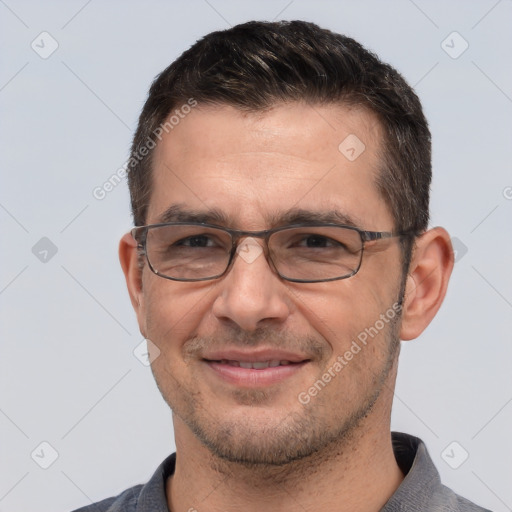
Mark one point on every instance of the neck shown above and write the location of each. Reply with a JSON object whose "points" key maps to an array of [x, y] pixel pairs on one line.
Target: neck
{"points": [[359, 474]]}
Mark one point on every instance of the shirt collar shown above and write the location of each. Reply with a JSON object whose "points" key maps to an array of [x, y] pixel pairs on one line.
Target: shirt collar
{"points": [[417, 491]]}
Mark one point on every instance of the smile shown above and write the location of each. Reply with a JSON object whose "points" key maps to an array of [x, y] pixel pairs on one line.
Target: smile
{"points": [[256, 373], [255, 365]]}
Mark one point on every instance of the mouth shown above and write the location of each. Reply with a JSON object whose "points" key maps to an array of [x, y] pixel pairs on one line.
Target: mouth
{"points": [[255, 370], [255, 365]]}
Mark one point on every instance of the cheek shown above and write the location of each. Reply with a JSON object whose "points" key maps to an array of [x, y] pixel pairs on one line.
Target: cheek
{"points": [[346, 311], [173, 311]]}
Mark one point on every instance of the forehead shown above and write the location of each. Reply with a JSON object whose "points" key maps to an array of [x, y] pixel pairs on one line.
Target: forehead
{"points": [[254, 167]]}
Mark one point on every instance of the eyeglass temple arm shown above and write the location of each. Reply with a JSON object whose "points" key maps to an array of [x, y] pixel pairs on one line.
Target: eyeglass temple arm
{"points": [[369, 236]]}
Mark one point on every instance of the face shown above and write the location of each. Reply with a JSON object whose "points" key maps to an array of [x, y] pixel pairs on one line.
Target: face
{"points": [[331, 345]]}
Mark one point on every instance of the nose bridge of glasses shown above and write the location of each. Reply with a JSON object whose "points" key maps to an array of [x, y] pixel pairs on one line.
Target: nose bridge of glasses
{"points": [[247, 239]]}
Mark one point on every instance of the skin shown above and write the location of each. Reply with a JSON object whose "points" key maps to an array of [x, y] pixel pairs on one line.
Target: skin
{"points": [[259, 447]]}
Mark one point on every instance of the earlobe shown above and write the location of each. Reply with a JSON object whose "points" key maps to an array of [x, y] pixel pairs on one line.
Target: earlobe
{"points": [[129, 260], [427, 281]]}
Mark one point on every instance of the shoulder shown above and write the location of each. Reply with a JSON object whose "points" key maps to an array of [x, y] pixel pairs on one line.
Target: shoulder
{"points": [[422, 489], [125, 502], [465, 505], [446, 500], [149, 497]]}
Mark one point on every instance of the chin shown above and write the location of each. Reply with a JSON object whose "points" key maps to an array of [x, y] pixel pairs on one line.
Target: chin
{"points": [[277, 439]]}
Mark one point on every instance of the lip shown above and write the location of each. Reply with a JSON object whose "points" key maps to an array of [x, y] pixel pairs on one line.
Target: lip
{"points": [[217, 362], [255, 356]]}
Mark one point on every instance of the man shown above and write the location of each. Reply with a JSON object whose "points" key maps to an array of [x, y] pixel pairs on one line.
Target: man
{"points": [[279, 179]]}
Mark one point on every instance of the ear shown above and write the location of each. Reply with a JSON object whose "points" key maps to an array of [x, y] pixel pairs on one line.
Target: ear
{"points": [[427, 281], [129, 258]]}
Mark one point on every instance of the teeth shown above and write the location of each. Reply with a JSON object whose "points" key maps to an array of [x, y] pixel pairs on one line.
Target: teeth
{"points": [[261, 365], [257, 365]]}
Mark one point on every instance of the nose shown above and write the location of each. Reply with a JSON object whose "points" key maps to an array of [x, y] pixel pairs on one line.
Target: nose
{"points": [[251, 295]]}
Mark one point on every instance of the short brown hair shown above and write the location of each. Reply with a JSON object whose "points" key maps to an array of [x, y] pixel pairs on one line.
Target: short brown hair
{"points": [[255, 65]]}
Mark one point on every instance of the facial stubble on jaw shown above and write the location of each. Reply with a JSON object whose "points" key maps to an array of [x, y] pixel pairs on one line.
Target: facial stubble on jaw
{"points": [[294, 437]]}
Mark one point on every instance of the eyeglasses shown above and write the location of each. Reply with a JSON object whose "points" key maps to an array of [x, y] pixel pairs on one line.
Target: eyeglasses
{"points": [[301, 253]]}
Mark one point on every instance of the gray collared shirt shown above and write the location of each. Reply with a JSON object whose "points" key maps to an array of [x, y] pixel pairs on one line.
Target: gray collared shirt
{"points": [[420, 491]]}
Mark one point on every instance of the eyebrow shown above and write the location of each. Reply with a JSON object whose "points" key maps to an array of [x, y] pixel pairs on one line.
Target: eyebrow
{"points": [[180, 213]]}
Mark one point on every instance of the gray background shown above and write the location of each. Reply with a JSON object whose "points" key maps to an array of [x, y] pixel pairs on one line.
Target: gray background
{"points": [[67, 369]]}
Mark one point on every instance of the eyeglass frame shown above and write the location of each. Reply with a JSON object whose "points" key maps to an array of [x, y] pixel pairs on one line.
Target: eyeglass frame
{"points": [[237, 234]]}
